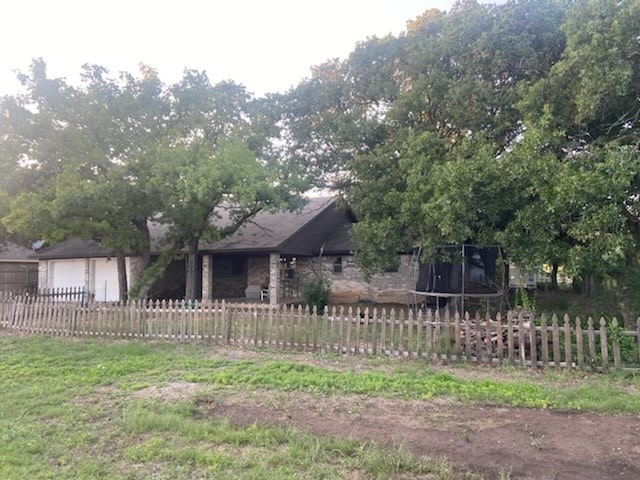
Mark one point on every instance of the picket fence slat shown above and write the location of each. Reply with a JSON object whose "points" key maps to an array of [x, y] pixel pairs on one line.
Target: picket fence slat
{"points": [[568, 355], [579, 344]]}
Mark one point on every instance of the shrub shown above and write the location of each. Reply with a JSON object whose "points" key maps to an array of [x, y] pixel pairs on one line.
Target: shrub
{"points": [[315, 292]]}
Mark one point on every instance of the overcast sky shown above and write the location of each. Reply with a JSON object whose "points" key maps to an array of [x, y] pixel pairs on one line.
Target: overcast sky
{"points": [[266, 45]]}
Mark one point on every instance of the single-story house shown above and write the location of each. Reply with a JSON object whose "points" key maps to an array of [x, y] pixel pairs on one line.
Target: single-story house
{"points": [[268, 257], [18, 270]]}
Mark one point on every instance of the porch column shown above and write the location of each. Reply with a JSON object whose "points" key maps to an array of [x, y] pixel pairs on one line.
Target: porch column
{"points": [[274, 278], [43, 274], [207, 277]]}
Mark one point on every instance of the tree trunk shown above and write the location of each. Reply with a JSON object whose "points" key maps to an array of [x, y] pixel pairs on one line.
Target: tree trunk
{"points": [[192, 271], [554, 275], [589, 285], [145, 245], [143, 285], [122, 275]]}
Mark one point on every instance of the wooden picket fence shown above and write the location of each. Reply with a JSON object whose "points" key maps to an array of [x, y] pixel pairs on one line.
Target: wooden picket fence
{"points": [[70, 294], [515, 339]]}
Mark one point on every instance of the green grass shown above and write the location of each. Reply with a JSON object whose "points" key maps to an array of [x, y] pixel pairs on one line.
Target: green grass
{"points": [[69, 410]]}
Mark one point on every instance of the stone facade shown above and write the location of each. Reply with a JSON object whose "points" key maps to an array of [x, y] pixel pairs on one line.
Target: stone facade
{"points": [[258, 271], [274, 278], [207, 277], [43, 274], [349, 286]]}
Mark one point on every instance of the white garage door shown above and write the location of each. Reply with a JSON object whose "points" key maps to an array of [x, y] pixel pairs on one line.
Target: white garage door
{"points": [[105, 280], [66, 274]]}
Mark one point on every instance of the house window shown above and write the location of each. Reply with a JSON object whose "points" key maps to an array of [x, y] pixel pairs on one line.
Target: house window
{"points": [[337, 265], [392, 268], [288, 267]]}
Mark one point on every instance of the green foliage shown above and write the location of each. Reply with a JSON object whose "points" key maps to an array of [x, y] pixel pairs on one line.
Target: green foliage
{"points": [[514, 124], [525, 300], [315, 291], [101, 160]]}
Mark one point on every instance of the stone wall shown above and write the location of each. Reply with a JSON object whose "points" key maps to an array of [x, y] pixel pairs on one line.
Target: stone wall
{"points": [[349, 286], [43, 274], [257, 270]]}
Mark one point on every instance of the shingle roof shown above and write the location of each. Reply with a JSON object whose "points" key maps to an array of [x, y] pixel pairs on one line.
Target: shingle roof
{"points": [[292, 232], [340, 242], [270, 231], [74, 248], [15, 253]]}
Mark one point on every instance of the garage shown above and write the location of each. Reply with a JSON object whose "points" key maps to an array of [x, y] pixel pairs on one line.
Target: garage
{"points": [[104, 280], [67, 274]]}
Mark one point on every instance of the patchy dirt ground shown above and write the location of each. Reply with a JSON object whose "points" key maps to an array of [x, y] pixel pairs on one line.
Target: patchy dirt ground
{"points": [[529, 444]]}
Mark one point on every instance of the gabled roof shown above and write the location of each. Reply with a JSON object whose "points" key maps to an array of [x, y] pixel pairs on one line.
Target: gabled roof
{"points": [[301, 232], [10, 252], [340, 241], [74, 248]]}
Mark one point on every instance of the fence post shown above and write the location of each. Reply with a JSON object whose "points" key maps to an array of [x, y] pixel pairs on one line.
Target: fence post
{"points": [[521, 341], [410, 326], [392, 327], [428, 335], [401, 333], [615, 342], [499, 339], [226, 323], [458, 335], [568, 355], [325, 320], [544, 341], [510, 338], [591, 338], [533, 341], [478, 338], [447, 336], [437, 323], [383, 330], [488, 343], [604, 350], [374, 332], [356, 341], [467, 337], [419, 334], [638, 337], [579, 344], [556, 340]]}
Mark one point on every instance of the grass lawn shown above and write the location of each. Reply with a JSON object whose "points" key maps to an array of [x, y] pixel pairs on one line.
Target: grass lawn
{"points": [[71, 409]]}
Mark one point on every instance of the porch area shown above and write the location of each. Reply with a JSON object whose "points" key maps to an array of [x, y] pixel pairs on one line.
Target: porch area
{"points": [[272, 279]]}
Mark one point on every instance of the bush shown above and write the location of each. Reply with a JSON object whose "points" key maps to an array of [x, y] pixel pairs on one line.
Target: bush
{"points": [[315, 292]]}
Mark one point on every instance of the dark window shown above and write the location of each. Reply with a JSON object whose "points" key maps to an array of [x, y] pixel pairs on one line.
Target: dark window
{"points": [[237, 266], [337, 265], [229, 266], [393, 267]]}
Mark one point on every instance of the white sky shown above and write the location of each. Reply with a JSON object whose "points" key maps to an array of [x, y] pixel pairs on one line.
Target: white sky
{"points": [[266, 45]]}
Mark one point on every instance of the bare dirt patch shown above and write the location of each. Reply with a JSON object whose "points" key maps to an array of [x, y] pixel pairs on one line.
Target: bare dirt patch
{"points": [[171, 392], [529, 444], [526, 443]]}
